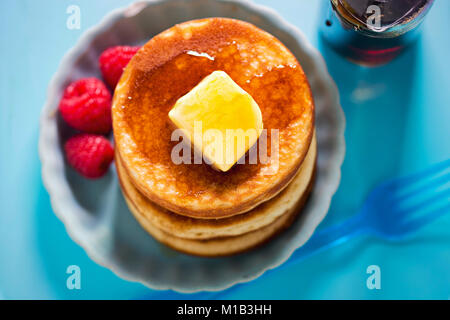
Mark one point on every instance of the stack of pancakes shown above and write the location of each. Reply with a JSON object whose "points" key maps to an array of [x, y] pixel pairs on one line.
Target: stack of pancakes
{"points": [[192, 207]]}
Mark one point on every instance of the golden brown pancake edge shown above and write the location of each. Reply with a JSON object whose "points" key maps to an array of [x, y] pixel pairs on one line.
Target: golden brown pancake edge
{"points": [[201, 229], [224, 246]]}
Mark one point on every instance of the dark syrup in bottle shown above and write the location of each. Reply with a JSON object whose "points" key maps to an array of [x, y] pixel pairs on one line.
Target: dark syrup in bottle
{"points": [[372, 32]]}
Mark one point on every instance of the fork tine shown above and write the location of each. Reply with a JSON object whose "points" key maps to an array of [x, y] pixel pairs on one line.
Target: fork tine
{"points": [[433, 184], [426, 218], [427, 173], [427, 202]]}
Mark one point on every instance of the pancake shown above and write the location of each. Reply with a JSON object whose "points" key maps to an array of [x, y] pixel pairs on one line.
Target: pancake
{"points": [[290, 202], [225, 246], [168, 67], [202, 229]]}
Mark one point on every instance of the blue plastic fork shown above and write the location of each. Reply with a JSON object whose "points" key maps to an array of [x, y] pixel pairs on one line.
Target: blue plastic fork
{"points": [[393, 211]]}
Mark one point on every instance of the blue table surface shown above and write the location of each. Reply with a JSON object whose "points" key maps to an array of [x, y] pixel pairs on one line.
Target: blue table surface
{"points": [[397, 123]]}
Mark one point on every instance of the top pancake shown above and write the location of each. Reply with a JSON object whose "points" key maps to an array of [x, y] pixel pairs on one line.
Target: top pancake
{"points": [[168, 67]]}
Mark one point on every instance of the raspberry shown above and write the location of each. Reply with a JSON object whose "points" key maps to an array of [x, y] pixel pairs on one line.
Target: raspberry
{"points": [[113, 61], [86, 106], [89, 154]]}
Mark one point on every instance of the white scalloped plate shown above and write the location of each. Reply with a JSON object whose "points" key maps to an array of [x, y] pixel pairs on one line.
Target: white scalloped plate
{"points": [[94, 212]]}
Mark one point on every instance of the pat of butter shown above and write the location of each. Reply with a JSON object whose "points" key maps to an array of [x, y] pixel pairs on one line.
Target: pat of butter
{"points": [[220, 118]]}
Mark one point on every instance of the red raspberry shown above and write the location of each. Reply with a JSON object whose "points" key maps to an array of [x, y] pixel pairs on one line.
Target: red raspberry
{"points": [[113, 61], [89, 154], [86, 106]]}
